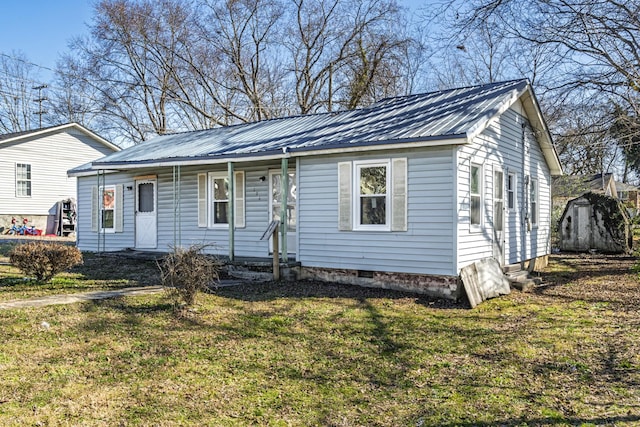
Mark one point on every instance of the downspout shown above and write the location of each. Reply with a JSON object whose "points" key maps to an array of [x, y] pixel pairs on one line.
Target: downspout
{"points": [[283, 204], [230, 211]]}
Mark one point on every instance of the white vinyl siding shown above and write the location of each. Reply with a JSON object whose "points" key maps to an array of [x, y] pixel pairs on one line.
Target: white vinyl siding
{"points": [[49, 156], [509, 143], [425, 243]]}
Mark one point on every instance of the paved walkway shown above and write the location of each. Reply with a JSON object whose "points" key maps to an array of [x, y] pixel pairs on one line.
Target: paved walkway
{"points": [[79, 297], [96, 295]]}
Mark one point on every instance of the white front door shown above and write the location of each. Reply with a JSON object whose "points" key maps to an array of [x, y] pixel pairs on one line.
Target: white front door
{"points": [[275, 207], [146, 215]]}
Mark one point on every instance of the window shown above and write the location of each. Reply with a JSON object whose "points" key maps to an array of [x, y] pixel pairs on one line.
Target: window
{"points": [[219, 197], [372, 195], [511, 192], [498, 200], [372, 185], [23, 180], [533, 202], [108, 208], [214, 198], [475, 195], [276, 198]]}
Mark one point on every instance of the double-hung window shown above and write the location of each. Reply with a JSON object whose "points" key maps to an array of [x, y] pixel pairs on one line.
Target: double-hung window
{"points": [[533, 202], [219, 186], [475, 196], [373, 195], [511, 192], [214, 196], [372, 184], [108, 208], [23, 180]]}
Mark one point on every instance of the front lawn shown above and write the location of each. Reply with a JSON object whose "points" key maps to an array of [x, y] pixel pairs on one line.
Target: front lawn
{"points": [[306, 354]]}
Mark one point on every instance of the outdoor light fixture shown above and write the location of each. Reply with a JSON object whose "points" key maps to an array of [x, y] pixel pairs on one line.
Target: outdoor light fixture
{"points": [[129, 187], [263, 178]]}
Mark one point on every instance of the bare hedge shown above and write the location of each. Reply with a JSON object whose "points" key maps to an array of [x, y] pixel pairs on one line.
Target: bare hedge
{"points": [[43, 260]]}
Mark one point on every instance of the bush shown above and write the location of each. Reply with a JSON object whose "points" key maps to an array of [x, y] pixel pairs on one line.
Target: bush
{"points": [[185, 272], [44, 260]]}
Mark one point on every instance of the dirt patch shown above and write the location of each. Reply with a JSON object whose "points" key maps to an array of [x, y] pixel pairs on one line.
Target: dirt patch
{"points": [[594, 278]]}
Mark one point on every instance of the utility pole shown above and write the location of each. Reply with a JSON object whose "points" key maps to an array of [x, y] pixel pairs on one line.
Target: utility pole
{"points": [[39, 100]]}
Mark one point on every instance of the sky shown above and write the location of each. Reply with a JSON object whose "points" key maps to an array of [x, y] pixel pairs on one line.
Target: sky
{"points": [[42, 29]]}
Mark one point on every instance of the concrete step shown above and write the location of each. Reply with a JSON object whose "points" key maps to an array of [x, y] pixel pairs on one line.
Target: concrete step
{"points": [[521, 280]]}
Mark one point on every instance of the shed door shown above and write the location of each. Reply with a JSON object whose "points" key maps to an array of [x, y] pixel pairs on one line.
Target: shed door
{"points": [[583, 225], [146, 215]]}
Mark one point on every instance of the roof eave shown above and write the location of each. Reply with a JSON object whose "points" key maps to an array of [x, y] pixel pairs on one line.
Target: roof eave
{"points": [[287, 152]]}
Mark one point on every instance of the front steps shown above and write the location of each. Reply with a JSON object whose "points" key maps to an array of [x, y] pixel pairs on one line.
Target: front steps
{"points": [[521, 279]]}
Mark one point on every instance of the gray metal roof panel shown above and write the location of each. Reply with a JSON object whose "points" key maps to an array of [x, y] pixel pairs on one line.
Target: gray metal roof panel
{"points": [[422, 116]]}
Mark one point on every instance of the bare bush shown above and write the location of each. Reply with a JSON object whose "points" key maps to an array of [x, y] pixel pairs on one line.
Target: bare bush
{"points": [[44, 260], [185, 272]]}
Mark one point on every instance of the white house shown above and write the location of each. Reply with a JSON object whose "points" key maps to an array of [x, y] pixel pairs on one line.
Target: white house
{"points": [[403, 193], [33, 170]]}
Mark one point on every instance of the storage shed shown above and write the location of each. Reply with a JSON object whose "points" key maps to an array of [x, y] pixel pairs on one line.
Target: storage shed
{"points": [[595, 222]]}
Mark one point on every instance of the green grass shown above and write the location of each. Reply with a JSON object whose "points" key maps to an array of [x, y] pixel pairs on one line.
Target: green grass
{"points": [[96, 273], [320, 354]]}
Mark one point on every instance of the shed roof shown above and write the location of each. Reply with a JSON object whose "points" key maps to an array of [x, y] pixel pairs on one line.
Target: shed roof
{"points": [[452, 116], [576, 185]]}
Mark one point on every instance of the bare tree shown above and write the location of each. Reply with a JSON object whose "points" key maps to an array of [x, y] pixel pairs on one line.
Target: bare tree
{"points": [[17, 93]]}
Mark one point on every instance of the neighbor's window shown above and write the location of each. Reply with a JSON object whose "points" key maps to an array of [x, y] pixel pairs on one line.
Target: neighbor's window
{"points": [[372, 185], [219, 199], [108, 208], [23, 180], [475, 187], [534, 201], [511, 191]]}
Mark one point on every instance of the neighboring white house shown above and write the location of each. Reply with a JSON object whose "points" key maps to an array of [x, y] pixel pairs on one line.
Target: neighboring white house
{"points": [[402, 194], [33, 171]]}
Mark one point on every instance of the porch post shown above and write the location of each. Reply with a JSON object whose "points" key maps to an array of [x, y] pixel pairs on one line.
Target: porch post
{"points": [[283, 207], [230, 211]]}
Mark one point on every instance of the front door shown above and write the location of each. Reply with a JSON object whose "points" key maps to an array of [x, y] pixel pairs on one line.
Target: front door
{"points": [[146, 215], [498, 216], [275, 206]]}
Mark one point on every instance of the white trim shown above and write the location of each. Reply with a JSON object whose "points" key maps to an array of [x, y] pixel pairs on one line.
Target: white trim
{"points": [[357, 166]]}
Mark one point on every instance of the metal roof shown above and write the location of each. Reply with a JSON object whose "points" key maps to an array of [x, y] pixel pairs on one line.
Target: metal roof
{"points": [[442, 116]]}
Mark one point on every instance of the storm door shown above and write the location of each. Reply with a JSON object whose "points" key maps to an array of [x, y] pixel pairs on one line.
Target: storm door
{"points": [[146, 214]]}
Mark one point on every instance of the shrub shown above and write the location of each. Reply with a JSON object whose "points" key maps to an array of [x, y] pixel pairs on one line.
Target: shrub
{"points": [[43, 260], [185, 272]]}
